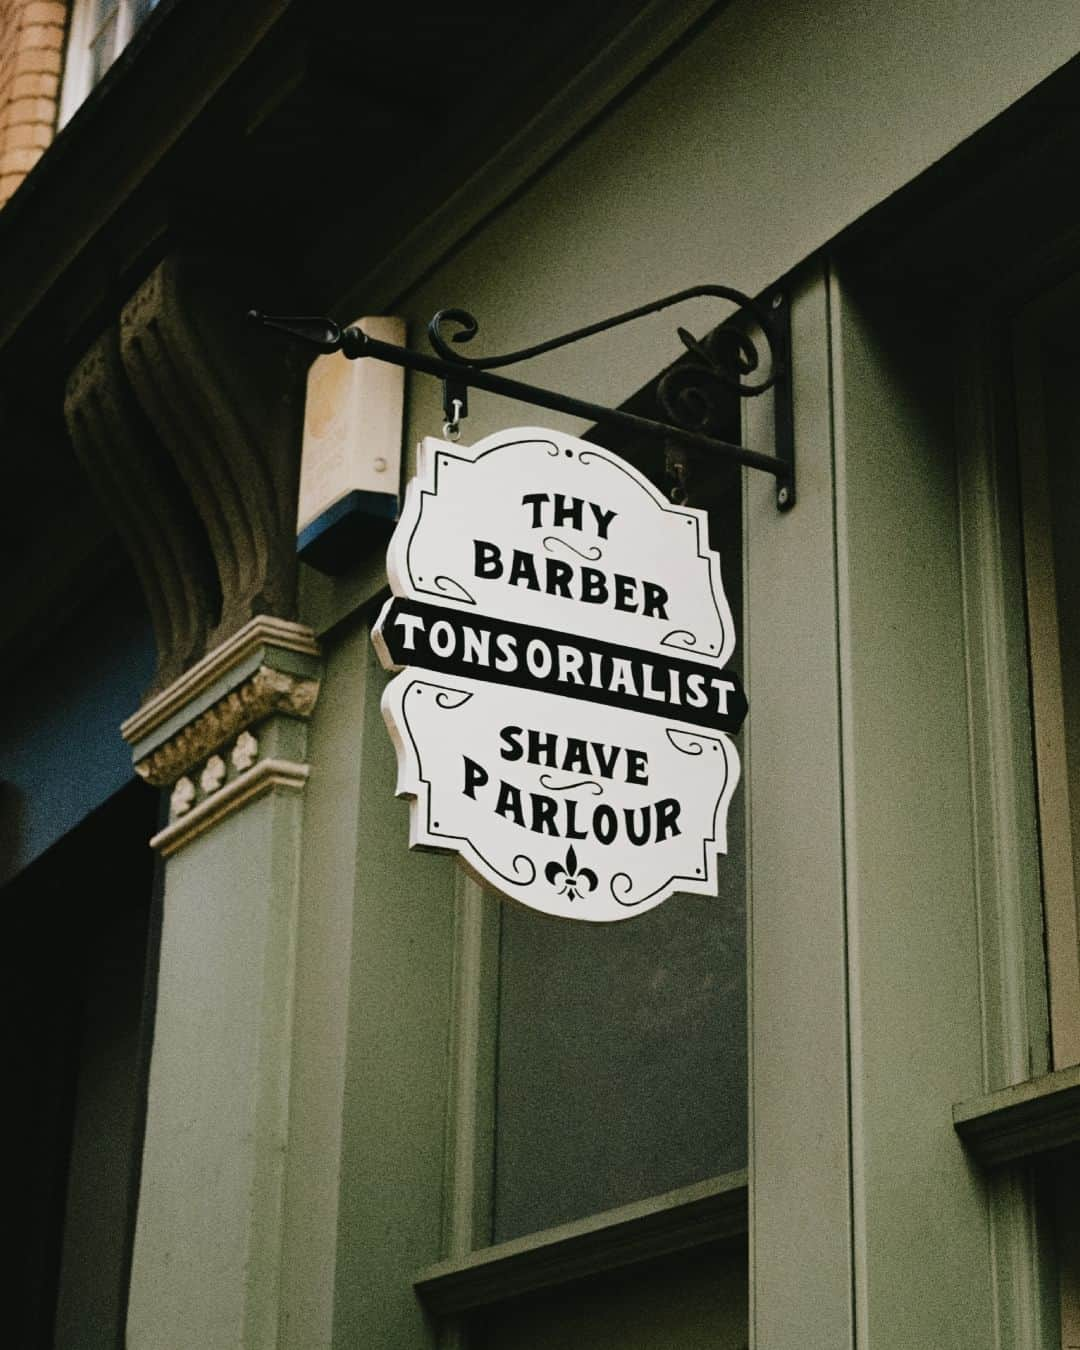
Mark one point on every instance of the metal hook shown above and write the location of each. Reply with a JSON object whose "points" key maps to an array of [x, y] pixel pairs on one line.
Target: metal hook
{"points": [[455, 406], [676, 466], [452, 428]]}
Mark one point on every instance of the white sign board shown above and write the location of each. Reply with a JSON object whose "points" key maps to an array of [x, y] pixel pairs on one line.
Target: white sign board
{"points": [[563, 717]]}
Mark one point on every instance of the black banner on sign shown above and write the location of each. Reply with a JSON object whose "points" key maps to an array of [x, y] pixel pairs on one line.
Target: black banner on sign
{"points": [[436, 638]]}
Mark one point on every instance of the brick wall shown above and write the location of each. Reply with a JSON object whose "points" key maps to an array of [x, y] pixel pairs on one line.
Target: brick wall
{"points": [[31, 53]]}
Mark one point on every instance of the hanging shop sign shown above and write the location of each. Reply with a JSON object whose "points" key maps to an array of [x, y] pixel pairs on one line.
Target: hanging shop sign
{"points": [[563, 716]]}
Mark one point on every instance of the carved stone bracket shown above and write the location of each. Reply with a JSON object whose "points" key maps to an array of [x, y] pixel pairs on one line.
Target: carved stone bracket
{"points": [[190, 432], [229, 411], [132, 472]]}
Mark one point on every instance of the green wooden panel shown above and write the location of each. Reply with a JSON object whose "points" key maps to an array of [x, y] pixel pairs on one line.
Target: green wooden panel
{"points": [[921, 1222], [800, 1225], [694, 1299], [738, 155], [1012, 951], [735, 160], [324, 953], [389, 1223]]}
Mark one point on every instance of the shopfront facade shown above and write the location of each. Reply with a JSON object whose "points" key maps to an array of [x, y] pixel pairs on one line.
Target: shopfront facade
{"points": [[833, 1106]]}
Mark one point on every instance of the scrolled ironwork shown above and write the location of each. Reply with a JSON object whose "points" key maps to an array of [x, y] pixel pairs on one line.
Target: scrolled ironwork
{"points": [[748, 359], [696, 393], [688, 393]]}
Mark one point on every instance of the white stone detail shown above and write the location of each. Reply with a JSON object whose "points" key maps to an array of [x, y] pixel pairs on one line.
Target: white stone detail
{"points": [[245, 752], [213, 775], [183, 795]]}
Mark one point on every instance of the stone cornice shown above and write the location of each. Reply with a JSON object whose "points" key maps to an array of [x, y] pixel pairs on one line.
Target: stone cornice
{"points": [[261, 631]]}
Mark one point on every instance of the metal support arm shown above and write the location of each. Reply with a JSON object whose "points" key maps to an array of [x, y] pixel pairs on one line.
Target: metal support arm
{"points": [[682, 398]]}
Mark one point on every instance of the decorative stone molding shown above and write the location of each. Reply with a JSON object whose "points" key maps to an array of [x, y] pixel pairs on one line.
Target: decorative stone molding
{"points": [[245, 752], [216, 772], [198, 733], [213, 774], [254, 644], [265, 692], [182, 799], [261, 778]]}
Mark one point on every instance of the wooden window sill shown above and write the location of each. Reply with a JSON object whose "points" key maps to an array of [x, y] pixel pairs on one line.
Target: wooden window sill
{"points": [[1022, 1121], [706, 1212]]}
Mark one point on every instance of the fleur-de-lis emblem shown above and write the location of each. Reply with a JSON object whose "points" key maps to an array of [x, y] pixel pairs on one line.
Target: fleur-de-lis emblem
{"points": [[576, 881]]}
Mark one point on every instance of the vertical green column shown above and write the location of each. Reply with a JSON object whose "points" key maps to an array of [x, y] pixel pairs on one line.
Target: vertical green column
{"points": [[800, 1225], [231, 738], [367, 1120], [397, 1001]]}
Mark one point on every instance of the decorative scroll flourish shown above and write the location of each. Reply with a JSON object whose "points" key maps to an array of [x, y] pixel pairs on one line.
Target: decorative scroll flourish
{"points": [[593, 554], [523, 869], [688, 742], [448, 586], [622, 882], [548, 782], [696, 393], [747, 359], [451, 698], [680, 637]]}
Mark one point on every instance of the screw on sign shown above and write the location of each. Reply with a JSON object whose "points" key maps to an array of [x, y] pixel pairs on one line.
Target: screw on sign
{"points": [[564, 714]]}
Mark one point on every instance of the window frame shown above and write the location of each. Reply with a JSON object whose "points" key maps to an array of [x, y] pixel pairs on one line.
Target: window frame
{"points": [[798, 1086], [1056, 834], [476, 1271], [77, 82]]}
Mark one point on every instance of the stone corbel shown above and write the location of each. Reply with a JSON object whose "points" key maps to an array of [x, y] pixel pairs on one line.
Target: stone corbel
{"points": [[230, 729], [230, 412], [132, 472]]}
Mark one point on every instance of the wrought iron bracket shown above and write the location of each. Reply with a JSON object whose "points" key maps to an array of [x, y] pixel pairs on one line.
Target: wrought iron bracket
{"points": [[686, 392]]}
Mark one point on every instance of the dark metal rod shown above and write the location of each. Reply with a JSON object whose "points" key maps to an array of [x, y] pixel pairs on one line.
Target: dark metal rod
{"points": [[747, 306], [356, 344]]}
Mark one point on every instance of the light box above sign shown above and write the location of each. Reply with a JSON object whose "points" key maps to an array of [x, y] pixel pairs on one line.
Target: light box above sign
{"points": [[564, 714], [350, 467]]}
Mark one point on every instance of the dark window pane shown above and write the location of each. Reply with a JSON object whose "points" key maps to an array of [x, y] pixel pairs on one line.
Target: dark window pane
{"points": [[622, 1055], [621, 1061]]}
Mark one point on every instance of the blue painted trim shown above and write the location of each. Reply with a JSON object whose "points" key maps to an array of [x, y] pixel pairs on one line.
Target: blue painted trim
{"points": [[337, 538]]}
